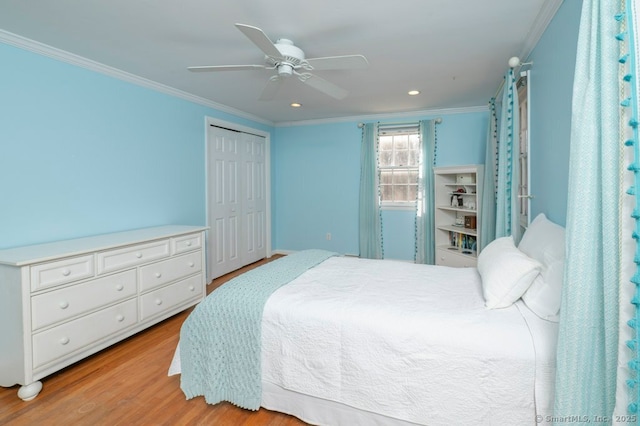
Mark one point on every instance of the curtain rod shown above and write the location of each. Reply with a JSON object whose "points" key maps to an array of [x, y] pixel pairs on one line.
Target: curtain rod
{"points": [[514, 63], [408, 123]]}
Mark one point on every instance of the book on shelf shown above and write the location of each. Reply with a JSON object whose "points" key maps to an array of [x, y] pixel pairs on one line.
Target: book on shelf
{"points": [[465, 243]]}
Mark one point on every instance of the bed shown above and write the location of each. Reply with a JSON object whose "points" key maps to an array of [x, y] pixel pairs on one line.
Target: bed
{"points": [[358, 341]]}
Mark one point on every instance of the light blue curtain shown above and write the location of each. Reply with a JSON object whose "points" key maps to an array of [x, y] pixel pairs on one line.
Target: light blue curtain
{"points": [[633, 59], [507, 214], [425, 205], [587, 354], [488, 202], [370, 221]]}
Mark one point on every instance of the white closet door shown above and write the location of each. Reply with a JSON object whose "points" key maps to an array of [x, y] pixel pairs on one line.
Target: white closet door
{"points": [[254, 199], [224, 198], [236, 200]]}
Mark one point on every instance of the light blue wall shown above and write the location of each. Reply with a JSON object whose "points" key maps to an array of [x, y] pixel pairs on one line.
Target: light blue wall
{"points": [[82, 153], [316, 172], [462, 139], [554, 60], [398, 234], [316, 175]]}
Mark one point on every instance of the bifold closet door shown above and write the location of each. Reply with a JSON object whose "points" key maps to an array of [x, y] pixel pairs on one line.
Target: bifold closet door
{"points": [[236, 200], [254, 200]]}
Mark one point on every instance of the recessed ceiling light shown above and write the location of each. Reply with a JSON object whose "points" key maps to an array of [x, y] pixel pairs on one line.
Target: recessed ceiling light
{"points": [[413, 92], [296, 105]]}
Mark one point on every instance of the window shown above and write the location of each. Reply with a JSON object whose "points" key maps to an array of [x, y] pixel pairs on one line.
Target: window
{"points": [[523, 187], [398, 158]]}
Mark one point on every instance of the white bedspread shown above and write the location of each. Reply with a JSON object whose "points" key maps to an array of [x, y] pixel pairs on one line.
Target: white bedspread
{"points": [[411, 342]]}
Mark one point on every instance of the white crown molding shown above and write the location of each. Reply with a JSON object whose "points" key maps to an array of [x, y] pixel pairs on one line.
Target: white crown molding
{"points": [[73, 59], [388, 116], [546, 14]]}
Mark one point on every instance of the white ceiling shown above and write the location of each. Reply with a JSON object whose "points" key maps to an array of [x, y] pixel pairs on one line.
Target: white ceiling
{"points": [[454, 51]]}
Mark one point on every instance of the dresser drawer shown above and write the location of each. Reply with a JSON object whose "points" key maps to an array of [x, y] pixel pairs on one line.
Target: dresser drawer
{"points": [[186, 243], [131, 256], [452, 258], [72, 336], [63, 271], [59, 305], [171, 296], [164, 272]]}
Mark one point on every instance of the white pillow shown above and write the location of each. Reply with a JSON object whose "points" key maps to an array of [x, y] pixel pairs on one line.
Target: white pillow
{"points": [[545, 242], [506, 272]]}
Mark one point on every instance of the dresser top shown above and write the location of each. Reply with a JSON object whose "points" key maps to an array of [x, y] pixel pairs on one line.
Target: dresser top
{"points": [[20, 256]]}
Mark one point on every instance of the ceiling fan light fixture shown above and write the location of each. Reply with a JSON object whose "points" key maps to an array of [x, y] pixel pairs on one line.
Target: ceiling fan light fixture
{"points": [[413, 92], [295, 105], [285, 70]]}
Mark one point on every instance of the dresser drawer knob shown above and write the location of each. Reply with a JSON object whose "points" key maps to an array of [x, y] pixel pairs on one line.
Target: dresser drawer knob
{"points": [[158, 302], [64, 340], [138, 255], [188, 243], [119, 287], [158, 274], [66, 272], [191, 264], [64, 304], [120, 317], [191, 288]]}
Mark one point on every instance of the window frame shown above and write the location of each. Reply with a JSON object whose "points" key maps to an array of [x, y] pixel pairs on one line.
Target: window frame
{"points": [[393, 131]]}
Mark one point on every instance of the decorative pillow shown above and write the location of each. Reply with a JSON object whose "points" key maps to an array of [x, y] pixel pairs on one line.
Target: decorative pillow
{"points": [[506, 272], [545, 242]]}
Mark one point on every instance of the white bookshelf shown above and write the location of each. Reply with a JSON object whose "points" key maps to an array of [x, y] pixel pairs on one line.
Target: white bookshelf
{"points": [[458, 197]]}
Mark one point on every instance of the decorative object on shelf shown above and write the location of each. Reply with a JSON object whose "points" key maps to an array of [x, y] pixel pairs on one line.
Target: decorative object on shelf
{"points": [[466, 178], [470, 222]]}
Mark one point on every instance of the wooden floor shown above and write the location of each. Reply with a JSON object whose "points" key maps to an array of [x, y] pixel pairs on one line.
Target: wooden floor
{"points": [[127, 384]]}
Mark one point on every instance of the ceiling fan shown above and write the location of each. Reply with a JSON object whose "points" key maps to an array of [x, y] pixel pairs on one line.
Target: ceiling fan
{"points": [[288, 59]]}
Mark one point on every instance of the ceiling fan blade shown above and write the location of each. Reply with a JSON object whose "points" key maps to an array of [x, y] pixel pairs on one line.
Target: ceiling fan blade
{"points": [[348, 62], [271, 89], [226, 68], [260, 39], [323, 85]]}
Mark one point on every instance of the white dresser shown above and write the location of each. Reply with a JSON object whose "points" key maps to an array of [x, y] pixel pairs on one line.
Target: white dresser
{"points": [[63, 301]]}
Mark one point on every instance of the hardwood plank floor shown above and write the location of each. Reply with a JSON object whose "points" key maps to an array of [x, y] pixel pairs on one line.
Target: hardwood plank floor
{"points": [[127, 384]]}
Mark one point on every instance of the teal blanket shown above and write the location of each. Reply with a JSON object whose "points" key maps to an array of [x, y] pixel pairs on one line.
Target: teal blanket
{"points": [[220, 341]]}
